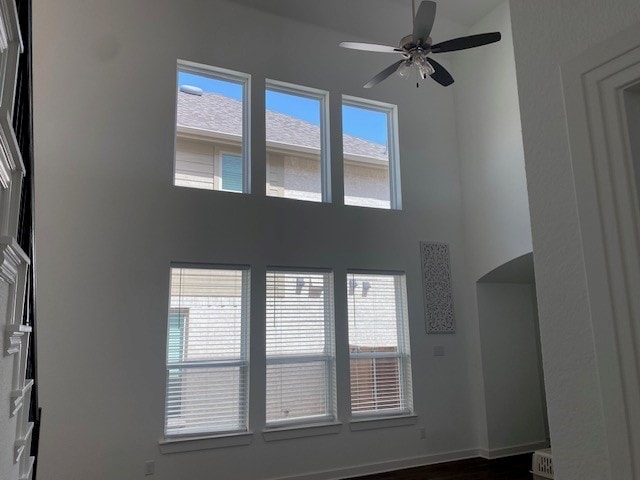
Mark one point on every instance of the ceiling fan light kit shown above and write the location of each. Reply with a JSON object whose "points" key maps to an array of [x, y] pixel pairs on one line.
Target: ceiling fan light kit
{"points": [[416, 47]]}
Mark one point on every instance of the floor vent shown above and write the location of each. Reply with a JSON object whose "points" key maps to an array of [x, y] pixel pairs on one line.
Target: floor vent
{"points": [[542, 464]]}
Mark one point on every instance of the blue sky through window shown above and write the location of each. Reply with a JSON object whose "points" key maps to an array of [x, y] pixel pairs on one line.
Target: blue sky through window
{"points": [[303, 108], [222, 87], [365, 123], [359, 122]]}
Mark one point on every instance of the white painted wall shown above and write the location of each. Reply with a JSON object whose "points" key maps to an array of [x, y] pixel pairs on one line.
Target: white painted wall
{"points": [[496, 208], [632, 103], [546, 34], [108, 223], [513, 389]]}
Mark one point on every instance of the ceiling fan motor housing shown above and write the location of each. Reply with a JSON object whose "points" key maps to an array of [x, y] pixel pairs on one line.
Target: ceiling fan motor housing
{"points": [[407, 44]]}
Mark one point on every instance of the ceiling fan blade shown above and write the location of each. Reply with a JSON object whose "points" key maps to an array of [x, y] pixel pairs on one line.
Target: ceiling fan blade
{"points": [[390, 70], [463, 43], [371, 47], [423, 23], [441, 75]]}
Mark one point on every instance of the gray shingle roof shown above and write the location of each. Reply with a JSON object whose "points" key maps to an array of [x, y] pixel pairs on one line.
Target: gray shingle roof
{"points": [[217, 113]]}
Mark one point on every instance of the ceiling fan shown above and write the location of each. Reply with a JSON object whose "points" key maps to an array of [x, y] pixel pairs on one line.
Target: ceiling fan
{"points": [[416, 47]]}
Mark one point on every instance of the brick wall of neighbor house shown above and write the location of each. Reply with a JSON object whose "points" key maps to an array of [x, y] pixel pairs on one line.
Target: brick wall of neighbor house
{"points": [[367, 185], [294, 176]]}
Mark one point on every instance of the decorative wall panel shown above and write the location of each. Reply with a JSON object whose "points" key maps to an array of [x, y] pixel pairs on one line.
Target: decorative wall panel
{"points": [[436, 284]]}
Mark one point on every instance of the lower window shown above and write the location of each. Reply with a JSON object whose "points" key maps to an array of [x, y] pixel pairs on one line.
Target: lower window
{"points": [[379, 345], [207, 351], [300, 354]]}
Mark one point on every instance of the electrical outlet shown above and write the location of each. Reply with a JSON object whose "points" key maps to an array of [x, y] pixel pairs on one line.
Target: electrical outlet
{"points": [[149, 467], [423, 433], [438, 351]]}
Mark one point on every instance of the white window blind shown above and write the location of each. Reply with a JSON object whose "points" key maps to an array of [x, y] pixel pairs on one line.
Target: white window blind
{"points": [[207, 345], [379, 344], [299, 347]]}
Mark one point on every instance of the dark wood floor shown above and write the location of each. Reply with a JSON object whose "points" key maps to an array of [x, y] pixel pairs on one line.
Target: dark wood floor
{"points": [[511, 468]]}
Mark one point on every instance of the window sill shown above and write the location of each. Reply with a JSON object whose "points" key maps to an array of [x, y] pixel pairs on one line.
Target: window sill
{"points": [[300, 431], [190, 444], [371, 423]]}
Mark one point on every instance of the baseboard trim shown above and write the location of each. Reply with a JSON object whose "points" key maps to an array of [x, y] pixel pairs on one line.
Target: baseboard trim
{"points": [[421, 461], [509, 451], [382, 467]]}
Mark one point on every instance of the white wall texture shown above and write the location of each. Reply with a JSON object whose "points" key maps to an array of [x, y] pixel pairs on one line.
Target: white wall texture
{"points": [[513, 390], [109, 223], [632, 102], [546, 34], [496, 208], [496, 225]]}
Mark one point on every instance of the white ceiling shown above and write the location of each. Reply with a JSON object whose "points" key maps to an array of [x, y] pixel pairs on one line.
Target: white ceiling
{"points": [[377, 20], [463, 12]]}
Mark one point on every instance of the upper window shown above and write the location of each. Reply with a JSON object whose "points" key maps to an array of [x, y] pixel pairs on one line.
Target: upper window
{"points": [[370, 148], [299, 343], [297, 165], [211, 129], [207, 351], [379, 344]]}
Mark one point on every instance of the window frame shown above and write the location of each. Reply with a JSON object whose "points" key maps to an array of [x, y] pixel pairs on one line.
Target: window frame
{"points": [[403, 354], [244, 357], [223, 74], [329, 357], [393, 146], [325, 143]]}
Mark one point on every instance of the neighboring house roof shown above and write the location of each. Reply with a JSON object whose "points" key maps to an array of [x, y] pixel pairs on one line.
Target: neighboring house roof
{"points": [[220, 114]]}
